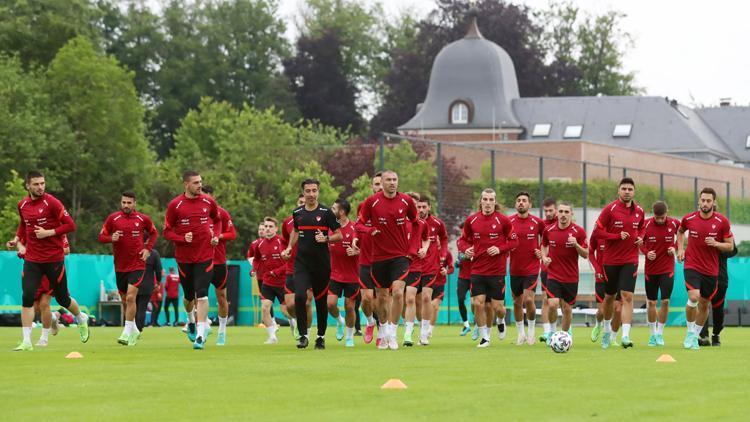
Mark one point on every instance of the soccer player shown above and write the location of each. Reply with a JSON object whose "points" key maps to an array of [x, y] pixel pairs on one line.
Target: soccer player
{"points": [[491, 235], [268, 254], [219, 279], [172, 286], [464, 282], [717, 302], [255, 266], [151, 276], [188, 225], [367, 286], [126, 230], [43, 222], [391, 213], [709, 234], [438, 289], [624, 217], [659, 247], [549, 207], [418, 245], [287, 227], [596, 257], [344, 273], [437, 252], [312, 265], [562, 244], [524, 266]]}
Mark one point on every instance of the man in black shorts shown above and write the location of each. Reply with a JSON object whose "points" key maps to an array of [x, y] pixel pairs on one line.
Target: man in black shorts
{"points": [[312, 265], [717, 302]]}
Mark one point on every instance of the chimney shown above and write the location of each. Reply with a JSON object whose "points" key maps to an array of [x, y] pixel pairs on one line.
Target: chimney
{"points": [[725, 102]]}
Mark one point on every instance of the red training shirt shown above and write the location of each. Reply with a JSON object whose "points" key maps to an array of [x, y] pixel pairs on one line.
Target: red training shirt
{"points": [[344, 268], [659, 238], [388, 217], [133, 227], [172, 282], [194, 215], [523, 260], [49, 213], [228, 233], [268, 255], [616, 217], [464, 271], [438, 248], [483, 232], [699, 256], [564, 265]]}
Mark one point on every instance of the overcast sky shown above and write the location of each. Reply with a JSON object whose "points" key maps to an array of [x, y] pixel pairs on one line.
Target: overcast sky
{"points": [[694, 51]]}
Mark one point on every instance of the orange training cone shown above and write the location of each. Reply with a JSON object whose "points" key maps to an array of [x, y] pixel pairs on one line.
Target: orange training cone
{"points": [[73, 355], [394, 384], [666, 358]]}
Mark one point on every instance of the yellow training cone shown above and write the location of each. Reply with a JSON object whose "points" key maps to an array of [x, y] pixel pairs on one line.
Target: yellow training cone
{"points": [[394, 384], [261, 325], [666, 358], [73, 355]]}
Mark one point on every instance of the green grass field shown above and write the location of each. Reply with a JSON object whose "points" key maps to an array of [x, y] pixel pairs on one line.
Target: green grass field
{"points": [[163, 378]]}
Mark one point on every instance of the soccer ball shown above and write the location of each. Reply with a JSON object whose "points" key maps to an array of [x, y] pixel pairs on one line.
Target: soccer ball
{"points": [[560, 342]]}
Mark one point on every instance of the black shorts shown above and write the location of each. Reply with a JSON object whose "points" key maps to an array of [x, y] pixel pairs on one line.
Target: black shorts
{"points": [[384, 273], [272, 292], [721, 293], [600, 289], [620, 277], [492, 286], [519, 283], [412, 279], [543, 279], [311, 276], [289, 284], [195, 278], [31, 279], [438, 291], [337, 288], [124, 279], [659, 283], [365, 277], [463, 286], [427, 280], [563, 291], [219, 279], [707, 284]]}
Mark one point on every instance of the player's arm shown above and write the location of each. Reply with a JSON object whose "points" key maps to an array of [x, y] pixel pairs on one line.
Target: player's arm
{"points": [[293, 237], [335, 237], [545, 249], [153, 234], [363, 217], [511, 239], [411, 210], [229, 232], [443, 236], [601, 227], [581, 247], [67, 225], [105, 234], [19, 233], [681, 242], [170, 222]]}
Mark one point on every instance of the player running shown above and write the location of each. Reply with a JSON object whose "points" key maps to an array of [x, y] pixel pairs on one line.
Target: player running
{"points": [[188, 225], [43, 222], [312, 265], [126, 230], [273, 273], [219, 279], [549, 207], [418, 245], [562, 244], [438, 289], [287, 227], [464, 283], [434, 259], [659, 247], [491, 235], [344, 273], [624, 217], [367, 286], [596, 259], [389, 211], [524, 266], [709, 234]]}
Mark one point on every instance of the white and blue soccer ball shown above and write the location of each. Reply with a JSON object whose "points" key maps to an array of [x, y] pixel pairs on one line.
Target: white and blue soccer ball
{"points": [[560, 342]]}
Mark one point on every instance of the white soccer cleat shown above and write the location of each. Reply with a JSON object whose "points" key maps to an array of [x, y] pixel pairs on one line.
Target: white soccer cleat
{"points": [[54, 328], [392, 343], [521, 340], [530, 340], [41, 343], [502, 332], [271, 340], [424, 340], [483, 343]]}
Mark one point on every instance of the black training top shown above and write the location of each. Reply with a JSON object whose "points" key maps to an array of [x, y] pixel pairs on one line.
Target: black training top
{"points": [[307, 223]]}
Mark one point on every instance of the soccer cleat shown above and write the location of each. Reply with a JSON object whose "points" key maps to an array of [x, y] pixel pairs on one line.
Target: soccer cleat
{"points": [[349, 342], [475, 333], [221, 339], [42, 343], [424, 340], [369, 331], [606, 340], [483, 343], [626, 342], [23, 347], [392, 343], [191, 331], [660, 340], [270, 340], [595, 333], [465, 330], [199, 343], [521, 340], [339, 331], [408, 342], [530, 340], [695, 345], [715, 341], [688, 342], [703, 341], [501, 331], [209, 331], [123, 339], [54, 327], [358, 333], [382, 344], [652, 340], [543, 338], [133, 338], [295, 333], [83, 330], [302, 342], [320, 343], [548, 336]]}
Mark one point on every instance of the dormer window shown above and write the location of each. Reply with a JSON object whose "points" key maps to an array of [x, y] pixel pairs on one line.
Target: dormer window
{"points": [[747, 142], [460, 113], [573, 131]]}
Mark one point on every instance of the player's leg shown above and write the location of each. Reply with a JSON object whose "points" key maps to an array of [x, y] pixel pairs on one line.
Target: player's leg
{"points": [[185, 272], [692, 284], [396, 271], [708, 290], [567, 300], [351, 292], [627, 278], [462, 288], [219, 280], [320, 280], [367, 293], [545, 306], [553, 303], [426, 312], [438, 293], [58, 278], [611, 280], [717, 309], [652, 293], [167, 301], [567, 316], [665, 286], [141, 306], [31, 278], [302, 283], [497, 294], [266, 303], [529, 302], [479, 290], [202, 275], [516, 290], [410, 309], [45, 315], [335, 290], [134, 280]]}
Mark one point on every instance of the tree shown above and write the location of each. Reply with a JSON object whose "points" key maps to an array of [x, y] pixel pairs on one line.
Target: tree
{"points": [[14, 190], [109, 152], [322, 91], [347, 162]]}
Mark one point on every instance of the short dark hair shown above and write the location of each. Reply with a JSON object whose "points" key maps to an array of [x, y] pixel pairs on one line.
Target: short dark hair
{"points": [[33, 174], [271, 220], [524, 193], [309, 181], [129, 194], [344, 205], [626, 181], [566, 204], [549, 202], [300, 196], [710, 191], [208, 189], [188, 174], [425, 199], [415, 196], [659, 208], [378, 174]]}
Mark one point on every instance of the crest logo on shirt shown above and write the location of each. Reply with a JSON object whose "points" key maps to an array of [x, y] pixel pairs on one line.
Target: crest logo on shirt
{"points": [[317, 218], [494, 226], [400, 210], [205, 209], [531, 227], [347, 235], [275, 248], [137, 224], [713, 226], [669, 230], [41, 210], [433, 229], [636, 215]]}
